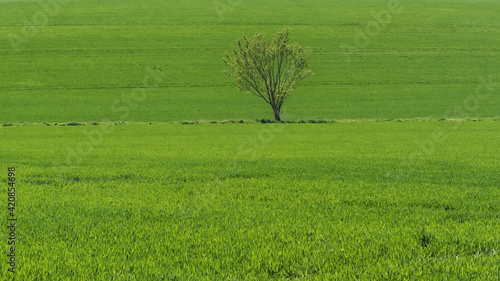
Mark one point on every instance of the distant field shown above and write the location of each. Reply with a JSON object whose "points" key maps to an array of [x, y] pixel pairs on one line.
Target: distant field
{"points": [[426, 60], [257, 202]]}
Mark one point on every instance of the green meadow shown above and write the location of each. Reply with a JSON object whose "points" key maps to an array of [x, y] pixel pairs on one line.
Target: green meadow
{"points": [[428, 58], [315, 202], [137, 159]]}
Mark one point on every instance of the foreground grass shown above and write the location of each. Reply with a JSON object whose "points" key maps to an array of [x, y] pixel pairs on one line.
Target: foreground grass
{"points": [[428, 59], [256, 201]]}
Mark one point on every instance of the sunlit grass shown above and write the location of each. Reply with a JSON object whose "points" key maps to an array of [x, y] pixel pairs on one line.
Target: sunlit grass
{"points": [[316, 201]]}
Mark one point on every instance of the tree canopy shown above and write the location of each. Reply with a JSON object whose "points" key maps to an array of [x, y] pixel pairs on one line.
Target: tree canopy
{"points": [[268, 69]]}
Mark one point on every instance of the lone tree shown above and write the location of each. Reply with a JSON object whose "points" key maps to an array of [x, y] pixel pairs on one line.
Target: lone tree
{"points": [[268, 69]]}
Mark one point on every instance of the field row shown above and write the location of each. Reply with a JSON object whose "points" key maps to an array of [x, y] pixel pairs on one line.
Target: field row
{"points": [[419, 61]]}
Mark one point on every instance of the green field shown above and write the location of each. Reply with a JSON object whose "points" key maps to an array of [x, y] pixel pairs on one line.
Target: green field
{"points": [[177, 179], [428, 58], [186, 202]]}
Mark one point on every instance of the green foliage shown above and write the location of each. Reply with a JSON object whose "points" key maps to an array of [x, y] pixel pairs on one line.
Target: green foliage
{"points": [[268, 69]]}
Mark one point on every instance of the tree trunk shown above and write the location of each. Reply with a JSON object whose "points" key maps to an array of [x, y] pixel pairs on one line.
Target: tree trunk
{"points": [[276, 114]]}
